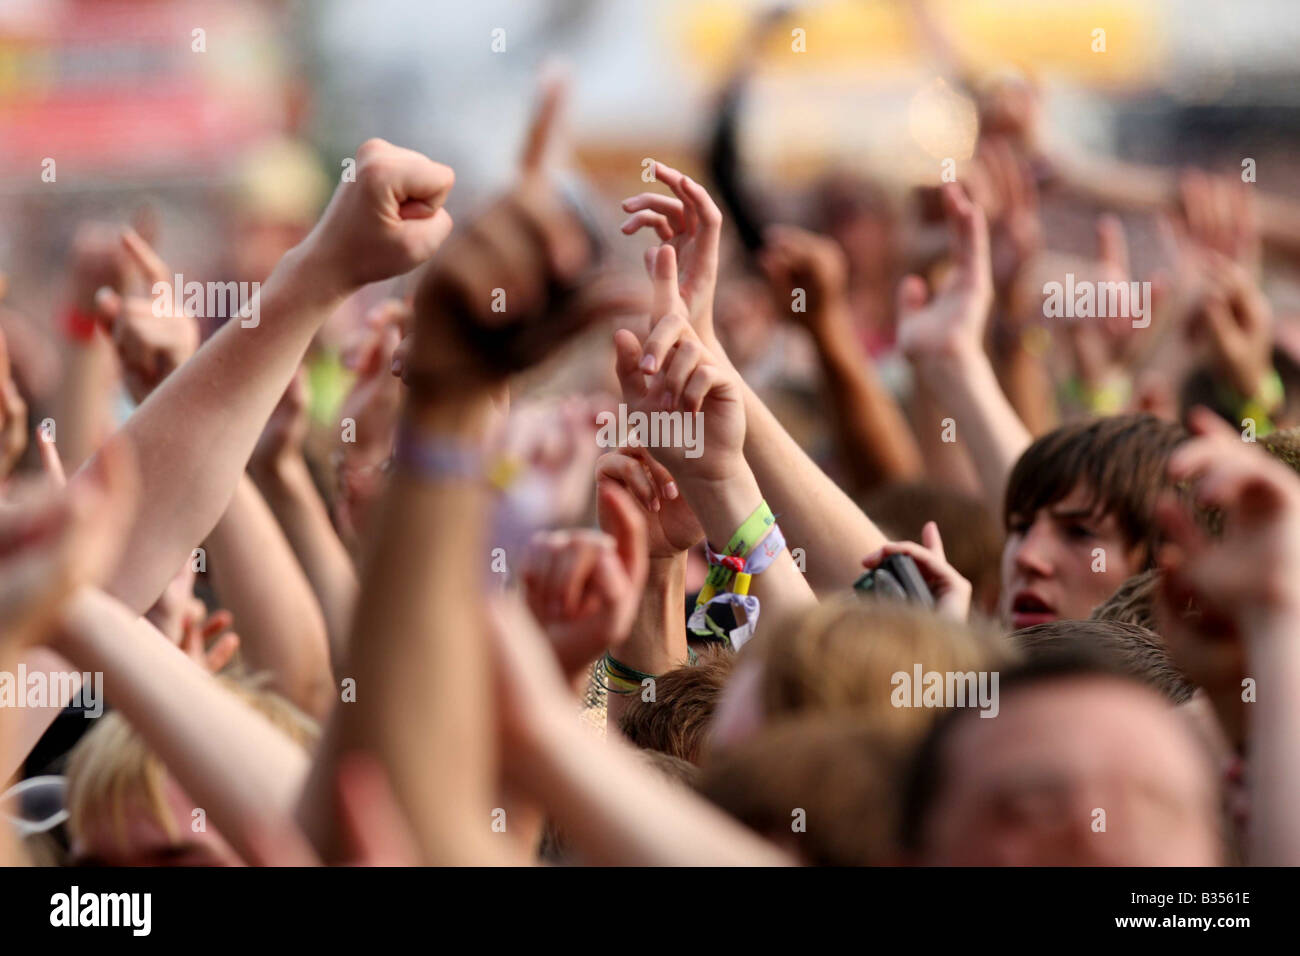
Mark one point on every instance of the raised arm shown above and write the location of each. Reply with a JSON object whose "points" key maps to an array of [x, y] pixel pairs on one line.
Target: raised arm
{"points": [[418, 656], [673, 371], [239, 768], [943, 337], [816, 514], [258, 579], [876, 442], [282, 475], [194, 434], [612, 807], [657, 641], [1244, 586]]}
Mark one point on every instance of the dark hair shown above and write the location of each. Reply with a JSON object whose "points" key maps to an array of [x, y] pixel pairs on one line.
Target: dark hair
{"points": [[841, 773], [926, 775], [677, 721], [1120, 460], [1134, 601], [1134, 649]]}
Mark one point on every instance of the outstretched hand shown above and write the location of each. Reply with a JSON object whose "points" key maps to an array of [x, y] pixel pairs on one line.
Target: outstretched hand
{"points": [[953, 319], [670, 523], [690, 222], [674, 371], [584, 586], [151, 341]]}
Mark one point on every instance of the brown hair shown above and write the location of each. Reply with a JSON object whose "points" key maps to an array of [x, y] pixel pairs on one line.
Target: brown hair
{"points": [[1134, 601], [1129, 648], [1284, 445], [840, 657], [1120, 460], [677, 721], [839, 773]]}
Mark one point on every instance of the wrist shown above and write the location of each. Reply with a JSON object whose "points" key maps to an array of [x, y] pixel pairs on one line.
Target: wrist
{"points": [[281, 471], [831, 326], [723, 504], [68, 630], [310, 278], [465, 415]]}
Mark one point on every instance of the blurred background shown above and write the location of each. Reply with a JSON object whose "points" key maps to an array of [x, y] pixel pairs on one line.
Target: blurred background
{"points": [[117, 93], [220, 128]]}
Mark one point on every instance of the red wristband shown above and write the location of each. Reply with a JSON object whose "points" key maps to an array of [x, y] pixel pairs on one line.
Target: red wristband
{"points": [[79, 326]]}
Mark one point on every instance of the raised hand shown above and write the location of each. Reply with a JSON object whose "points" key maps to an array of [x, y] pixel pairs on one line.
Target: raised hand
{"points": [[13, 416], [151, 342], [514, 285], [954, 318], [584, 586], [99, 261], [951, 591], [1237, 320], [1003, 185], [795, 258], [671, 525], [1100, 344], [387, 222], [674, 371], [285, 430], [1248, 574], [691, 223], [1218, 214]]}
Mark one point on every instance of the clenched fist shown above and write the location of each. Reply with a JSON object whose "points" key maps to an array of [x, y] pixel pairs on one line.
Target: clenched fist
{"points": [[384, 224]]}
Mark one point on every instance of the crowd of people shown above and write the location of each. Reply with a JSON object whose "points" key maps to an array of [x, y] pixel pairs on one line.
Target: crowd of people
{"points": [[457, 617]]}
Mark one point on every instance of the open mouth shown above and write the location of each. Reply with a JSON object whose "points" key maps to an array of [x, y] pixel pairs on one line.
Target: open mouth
{"points": [[1028, 609]]}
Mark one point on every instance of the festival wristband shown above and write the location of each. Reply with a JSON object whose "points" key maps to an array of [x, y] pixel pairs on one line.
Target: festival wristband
{"points": [[621, 679], [725, 567], [1261, 407], [435, 460], [751, 530], [79, 326]]}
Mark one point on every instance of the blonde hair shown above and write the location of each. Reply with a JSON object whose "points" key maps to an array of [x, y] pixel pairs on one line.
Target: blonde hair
{"points": [[112, 768], [840, 658]]}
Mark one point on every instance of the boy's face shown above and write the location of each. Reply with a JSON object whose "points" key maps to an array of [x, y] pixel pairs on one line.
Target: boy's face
{"points": [[1062, 562]]}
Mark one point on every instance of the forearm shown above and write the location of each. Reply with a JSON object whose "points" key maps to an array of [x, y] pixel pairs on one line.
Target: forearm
{"points": [[257, 579], [967, 390], [616, 810], [816, 514], [418, 657], [1028, 387], [240, 769], [876, 440], [193, 435], [657, 642], [1274, 743], [30, 723], [292, 496], [82, 410]]}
